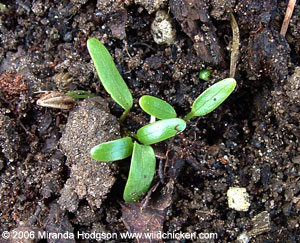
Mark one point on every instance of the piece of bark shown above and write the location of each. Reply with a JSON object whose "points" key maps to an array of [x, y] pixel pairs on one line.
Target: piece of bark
{"points": [[117, 24], [196, 23], [56, 223], [148, 220], [267, 54]]}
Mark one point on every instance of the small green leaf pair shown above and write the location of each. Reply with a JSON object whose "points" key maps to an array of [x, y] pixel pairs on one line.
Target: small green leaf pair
{"points": [[147, 135], [142, 168]]}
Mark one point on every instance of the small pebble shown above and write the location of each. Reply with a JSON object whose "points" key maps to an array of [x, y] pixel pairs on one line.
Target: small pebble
{"points": [[162, 30], [243, 238], [238, 199]]}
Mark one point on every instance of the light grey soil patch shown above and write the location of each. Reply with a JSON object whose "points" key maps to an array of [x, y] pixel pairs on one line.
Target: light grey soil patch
{"points": [[88, 125], [9, 139], [293, 87]]}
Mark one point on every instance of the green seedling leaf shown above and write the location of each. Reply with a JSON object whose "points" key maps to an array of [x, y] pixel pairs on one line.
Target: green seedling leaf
{"points": [[109, 74], [160, 130], [113, 150], [157, 107], [142, 170], [211, 98], [80, 94]]}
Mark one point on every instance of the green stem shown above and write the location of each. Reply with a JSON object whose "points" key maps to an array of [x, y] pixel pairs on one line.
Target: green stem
{"points": [[188, 116], [133, 135], [124, 115], [152, 119], [125, 133]]}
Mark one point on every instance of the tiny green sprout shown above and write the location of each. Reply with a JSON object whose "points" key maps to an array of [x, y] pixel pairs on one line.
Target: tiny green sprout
{"points": [[157, 107], [80, 94], [142, 170], [211, 98], [113, 150], [204, 74], [110, 76], [161, 130], [3, 7]]}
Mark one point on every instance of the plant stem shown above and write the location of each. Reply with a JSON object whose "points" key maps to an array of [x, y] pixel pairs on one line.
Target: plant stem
{"points": [[133, 135], [127, 133], [188, 116], [124, 115], [152, 119]]}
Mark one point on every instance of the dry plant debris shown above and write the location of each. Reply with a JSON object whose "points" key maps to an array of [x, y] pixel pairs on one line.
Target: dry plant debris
{"points": [[193, 16], [11, 84], [287, 17], [141, 218], [235, 45]]}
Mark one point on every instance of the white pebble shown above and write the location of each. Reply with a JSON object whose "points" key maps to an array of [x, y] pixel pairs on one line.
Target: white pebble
{"points": [[238, 198], [162, 29], [243, 238]]}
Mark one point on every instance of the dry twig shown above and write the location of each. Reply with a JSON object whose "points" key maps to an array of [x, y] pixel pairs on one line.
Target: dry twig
{"points": [[287, 17], [235, 45]]}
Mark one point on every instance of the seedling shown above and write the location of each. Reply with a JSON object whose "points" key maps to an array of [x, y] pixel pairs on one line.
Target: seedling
{"points": [[142, 168]]}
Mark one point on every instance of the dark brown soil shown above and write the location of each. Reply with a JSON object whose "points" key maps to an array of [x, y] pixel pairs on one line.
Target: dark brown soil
{"points": [[250, 141]]}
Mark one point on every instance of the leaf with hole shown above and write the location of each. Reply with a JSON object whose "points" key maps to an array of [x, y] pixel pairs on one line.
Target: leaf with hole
{"points": [[211, 98], [113, 150], [157, 107], [160, 130], [109, 74], [142, 170]]}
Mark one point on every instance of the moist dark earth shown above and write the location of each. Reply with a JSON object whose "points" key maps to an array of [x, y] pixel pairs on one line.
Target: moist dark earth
{"points": [[49, 183]]}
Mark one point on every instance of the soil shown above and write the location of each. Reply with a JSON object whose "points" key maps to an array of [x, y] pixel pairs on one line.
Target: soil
{"points": [[48, 183]]}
